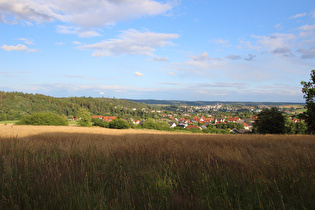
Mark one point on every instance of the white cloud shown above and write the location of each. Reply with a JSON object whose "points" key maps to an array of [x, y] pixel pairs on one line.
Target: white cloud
{"points": [[26, 41], [28, 10], [248, 45], [77, 31], [220, 41], [171, 73], [160, 59], [99, 54], [86, 14], [277, 40], [307, 31], [202, 57], [278, 26], [19, 47], [138, 74], [307, 27], [59, 43], [298, 15], [132, 42], [76, 43], [204, 62]]}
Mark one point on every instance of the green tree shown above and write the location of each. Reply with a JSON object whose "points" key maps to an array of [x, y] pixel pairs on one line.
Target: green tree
{"points": [[270, 121], [151, 124], [43, 119], [309, 95], [84, 117], [300, 127], [118, 124]]}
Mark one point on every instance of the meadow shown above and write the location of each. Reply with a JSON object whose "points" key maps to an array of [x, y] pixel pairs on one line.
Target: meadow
{"points": [[48, 167]]}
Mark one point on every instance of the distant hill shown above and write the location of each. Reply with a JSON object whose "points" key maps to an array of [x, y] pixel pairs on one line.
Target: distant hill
{"points": [[14, 105], [204, 103]]}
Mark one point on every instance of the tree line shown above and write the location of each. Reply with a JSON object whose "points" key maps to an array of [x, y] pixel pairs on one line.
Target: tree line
{"points": [[15, 105]]}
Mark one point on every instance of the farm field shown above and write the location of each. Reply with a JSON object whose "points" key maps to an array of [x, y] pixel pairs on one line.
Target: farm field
{"points": [[54, 167], [8, 122]]}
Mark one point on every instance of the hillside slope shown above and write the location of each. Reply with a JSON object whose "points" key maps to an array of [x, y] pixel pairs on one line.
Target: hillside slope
{"points": [[14, 105]]}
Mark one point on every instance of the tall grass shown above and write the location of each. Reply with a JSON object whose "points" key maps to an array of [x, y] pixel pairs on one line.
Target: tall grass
{"points": [[157, 171]]}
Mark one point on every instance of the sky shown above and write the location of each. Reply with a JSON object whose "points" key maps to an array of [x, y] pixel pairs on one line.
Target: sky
{"points": [[244, 50]]}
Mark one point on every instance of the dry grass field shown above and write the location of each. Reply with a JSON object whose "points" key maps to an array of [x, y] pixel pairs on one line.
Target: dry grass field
{"points": [[48, 167]]}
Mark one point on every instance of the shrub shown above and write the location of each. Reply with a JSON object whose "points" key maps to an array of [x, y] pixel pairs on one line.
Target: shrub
{"points": [[99, 122], [43, 119], [118, 124], [151, 124]]}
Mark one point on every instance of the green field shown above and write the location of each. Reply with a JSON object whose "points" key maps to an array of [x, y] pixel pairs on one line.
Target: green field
{"points": [[60, 170], [8, 122]]}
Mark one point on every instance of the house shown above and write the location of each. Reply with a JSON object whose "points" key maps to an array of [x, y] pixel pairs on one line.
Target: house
{"points": [[109, 118], [198, 119], [192, 126], [137, 122], [246, 126], [182, 125], [219, 120], [99, 117], [172, 124], [186, 121], [234, 119], [172, 118], [296, 120]]}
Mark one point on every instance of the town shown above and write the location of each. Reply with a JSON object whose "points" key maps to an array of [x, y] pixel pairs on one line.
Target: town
{"points": [[218, 118]]}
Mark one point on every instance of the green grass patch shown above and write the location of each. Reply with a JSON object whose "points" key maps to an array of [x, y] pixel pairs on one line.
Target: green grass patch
{"points": [[8, 122], [72, 122]]}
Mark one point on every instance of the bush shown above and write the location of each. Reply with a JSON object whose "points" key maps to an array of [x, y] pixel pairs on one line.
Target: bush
{"points": [[119, 124], [43, 119], [99, 122], [152, 124]]}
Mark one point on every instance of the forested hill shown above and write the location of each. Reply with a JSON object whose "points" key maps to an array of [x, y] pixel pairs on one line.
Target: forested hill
{"points": [[14, 105]]}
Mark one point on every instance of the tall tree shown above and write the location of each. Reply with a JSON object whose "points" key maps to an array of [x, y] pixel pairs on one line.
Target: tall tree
{"points": [[270, 121], [309, 95], [85, 117]]}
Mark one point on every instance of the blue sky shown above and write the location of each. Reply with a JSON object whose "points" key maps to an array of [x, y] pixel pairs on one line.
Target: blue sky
{"points": [[149, 49]]}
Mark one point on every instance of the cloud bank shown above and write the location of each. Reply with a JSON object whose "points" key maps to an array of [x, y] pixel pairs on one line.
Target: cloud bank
{"points": [[132, 42], [82, 13]]}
